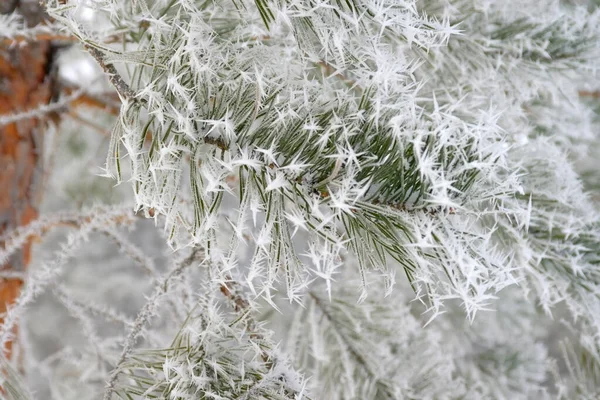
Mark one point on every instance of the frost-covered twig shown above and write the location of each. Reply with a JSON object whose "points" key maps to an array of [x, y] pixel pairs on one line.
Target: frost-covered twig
{"points": [[143, 318], [43, 110], [105, 312], [134, 252], [13, 240], [40, 278], [117, 81]]}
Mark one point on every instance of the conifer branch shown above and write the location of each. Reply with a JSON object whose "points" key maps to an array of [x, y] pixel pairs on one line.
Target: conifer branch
{"points": [[143, 318]]}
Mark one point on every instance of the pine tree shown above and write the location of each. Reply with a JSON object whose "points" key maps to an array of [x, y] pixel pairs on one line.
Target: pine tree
{"points": [[364, 199]]}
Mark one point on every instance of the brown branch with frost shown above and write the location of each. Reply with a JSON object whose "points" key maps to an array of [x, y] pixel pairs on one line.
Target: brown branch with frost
{"points": [[115, 79], [75, 97], [233, 291], [14, 240], [25, 39]]}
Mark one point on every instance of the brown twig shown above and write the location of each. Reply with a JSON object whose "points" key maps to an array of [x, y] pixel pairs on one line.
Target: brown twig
{"points": [[220, 143], [94, 126], [113, 76], [594, 94], [233, 291], [50, 36], [426, 210], [20, 39], [69, 221], [52, 110], [108, 102], [330, 70]]}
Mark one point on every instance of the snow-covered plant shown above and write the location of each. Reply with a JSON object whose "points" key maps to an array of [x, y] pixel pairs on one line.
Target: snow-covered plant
{"points": [[365, 199]]}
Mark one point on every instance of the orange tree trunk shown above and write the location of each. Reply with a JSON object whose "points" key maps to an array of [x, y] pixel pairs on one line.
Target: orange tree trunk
{"points": [[26, 82]]}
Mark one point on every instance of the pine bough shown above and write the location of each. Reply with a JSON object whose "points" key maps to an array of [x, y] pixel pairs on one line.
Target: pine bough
{"points": [[329, 162]]}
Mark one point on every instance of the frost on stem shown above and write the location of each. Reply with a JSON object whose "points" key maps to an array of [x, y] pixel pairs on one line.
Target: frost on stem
{"points": [[214, 355]]}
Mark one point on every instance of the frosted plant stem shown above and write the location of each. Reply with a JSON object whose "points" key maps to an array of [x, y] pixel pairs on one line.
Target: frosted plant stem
{"points": [[39, 280], [15, 239], [360, 359], [94, 309], [113, 76], [42, 110], [143, 318]]}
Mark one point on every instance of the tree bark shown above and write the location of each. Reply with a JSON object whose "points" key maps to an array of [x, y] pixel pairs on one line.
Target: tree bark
{"points": [[27, 80]]}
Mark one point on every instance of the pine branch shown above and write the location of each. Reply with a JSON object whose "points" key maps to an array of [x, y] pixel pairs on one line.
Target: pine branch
{"points": [[143, 318], [342, 141], [356, 355]]}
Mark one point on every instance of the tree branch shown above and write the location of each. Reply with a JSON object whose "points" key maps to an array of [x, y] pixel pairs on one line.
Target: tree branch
{"points": [[142, 319]]}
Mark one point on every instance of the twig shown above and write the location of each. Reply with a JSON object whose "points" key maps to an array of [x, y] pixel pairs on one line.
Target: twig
{"points": [[40, 111], [594, 94], [88, 123], [44, 36], [74, 98], [100, 310], [110, 105], [142, 319], [113, 76], [220, 143], [355, 353], [49, 36], [234, 292], [316, 188], [44, 276], [13, 240]]}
